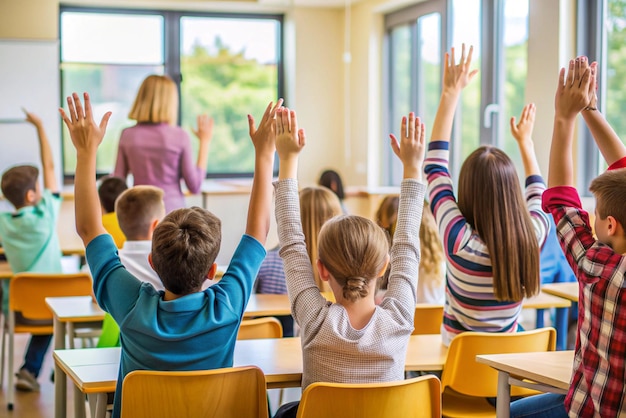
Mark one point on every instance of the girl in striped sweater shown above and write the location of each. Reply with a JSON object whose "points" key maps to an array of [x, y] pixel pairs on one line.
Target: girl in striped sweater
{"points": [[491, 234]]}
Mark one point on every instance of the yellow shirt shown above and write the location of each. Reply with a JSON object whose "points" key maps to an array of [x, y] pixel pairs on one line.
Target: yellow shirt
{"points": [[109, 221]]}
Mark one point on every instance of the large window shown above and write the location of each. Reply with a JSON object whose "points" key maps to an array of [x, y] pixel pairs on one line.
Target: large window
{"points": [[417, 38], [226, 66]]}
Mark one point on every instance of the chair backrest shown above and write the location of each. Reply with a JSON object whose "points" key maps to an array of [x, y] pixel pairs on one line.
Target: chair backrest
{"points": [[229, 392], [463, 374], [266, 327], [28, 291], [428, 319], [412, 398]]}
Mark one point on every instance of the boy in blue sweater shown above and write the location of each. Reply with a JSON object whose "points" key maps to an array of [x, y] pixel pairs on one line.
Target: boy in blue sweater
{"points": [[182, 327]]}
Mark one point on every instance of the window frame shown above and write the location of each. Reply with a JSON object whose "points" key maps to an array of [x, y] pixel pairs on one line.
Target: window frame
{"points": [[172, 58]]}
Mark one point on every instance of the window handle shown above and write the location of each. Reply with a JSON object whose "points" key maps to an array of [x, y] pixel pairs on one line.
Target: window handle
{"points": [[489, 110]]}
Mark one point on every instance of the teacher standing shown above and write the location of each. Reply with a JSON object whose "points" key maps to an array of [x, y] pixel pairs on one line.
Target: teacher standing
{"points": [[156, 151]]}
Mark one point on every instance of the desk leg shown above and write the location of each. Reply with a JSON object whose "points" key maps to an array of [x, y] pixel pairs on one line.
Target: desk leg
{"points": [[60, 380], [100, 408], [561, 328], [503, 404], [540, 320], [79, 403]]}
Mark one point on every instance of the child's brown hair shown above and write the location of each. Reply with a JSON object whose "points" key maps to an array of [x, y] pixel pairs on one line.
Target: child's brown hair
{"points": [[136, 209], [17, 181], [609, 189], [185, 245]]}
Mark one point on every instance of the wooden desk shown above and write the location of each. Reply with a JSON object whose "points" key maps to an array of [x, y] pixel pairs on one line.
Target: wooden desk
{"points": [[549, 371], [66, 311], [564, 290], [94, 370], [5, 270], [267, 305]]}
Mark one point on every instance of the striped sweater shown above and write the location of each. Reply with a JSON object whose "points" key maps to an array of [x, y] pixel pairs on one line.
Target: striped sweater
{"points": [[470, 301]]}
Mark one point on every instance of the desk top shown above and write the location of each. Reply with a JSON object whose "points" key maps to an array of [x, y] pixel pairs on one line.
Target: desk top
{"points": [[565, 290], [267, 305], [546, 300], [75, 309], [553, 368], [94, 370]]}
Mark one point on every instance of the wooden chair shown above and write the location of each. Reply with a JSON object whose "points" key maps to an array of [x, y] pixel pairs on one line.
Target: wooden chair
{"points": [[419, 397], [229, 392], [428, 319], [466, 383], [266, 327], [28, 312]]}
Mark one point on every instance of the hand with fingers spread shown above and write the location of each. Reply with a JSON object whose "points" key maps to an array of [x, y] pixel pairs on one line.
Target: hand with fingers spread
{"points": [[574, 89], [264, 136], [86, 135], [522, 131], [411, 146], [457, 76]]}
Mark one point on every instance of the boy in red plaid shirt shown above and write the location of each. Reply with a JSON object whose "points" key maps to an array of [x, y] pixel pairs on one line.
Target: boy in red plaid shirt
{"points": [[598, 380]]}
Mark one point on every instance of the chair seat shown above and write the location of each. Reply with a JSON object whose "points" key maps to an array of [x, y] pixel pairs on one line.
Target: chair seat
{"points": [[456, 405]]}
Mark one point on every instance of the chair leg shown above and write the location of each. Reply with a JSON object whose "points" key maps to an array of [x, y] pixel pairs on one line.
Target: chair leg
{"points": [[3, 337], [10, 372]]}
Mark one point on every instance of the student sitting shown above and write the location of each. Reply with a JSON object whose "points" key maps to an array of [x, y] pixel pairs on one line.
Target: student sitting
{"points": [[353, 340], [109, 190], [491, 234], [598, 383], [182, 327], [29, 237]]}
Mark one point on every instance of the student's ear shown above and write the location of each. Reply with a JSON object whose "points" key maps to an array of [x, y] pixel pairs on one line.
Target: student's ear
{"points": [[211, 274], [384, 269], [31, 196], [614, 227], [153, 225], [150, 260], [322, 270]]}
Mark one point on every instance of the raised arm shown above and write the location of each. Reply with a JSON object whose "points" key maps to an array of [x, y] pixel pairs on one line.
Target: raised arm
{"points": [[571, 98], [610, 145], [264, 140], [47, 161], [86, 137], [455, 78], [204, 134], [522, 131]]}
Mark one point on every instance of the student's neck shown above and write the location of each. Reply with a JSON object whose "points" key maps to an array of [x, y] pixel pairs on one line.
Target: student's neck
{"points": [[359, 312]]}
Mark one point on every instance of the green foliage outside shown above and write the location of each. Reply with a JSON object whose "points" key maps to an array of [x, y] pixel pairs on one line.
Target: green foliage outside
{"points": [[616, 57], [228, 87]]}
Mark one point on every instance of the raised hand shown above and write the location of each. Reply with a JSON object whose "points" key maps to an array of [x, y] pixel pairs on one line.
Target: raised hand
{"points": [[523, 130], [457, 76], [575, 88], [410, 149], [289, 139], [85, 134], [264, 136], [32, 118], [205, 128]]}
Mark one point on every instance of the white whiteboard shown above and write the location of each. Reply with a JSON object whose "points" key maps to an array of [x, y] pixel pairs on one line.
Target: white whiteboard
{"points": [[29, 78]]}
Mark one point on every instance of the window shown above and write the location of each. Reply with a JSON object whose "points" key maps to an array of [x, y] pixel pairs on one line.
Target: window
{"points": [[417, 38], [226, 65]]}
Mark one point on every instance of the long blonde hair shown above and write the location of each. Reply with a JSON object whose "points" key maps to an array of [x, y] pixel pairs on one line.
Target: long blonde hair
{"points": [[156, 101], [354, 250], [491, 201], [317, 205]]}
